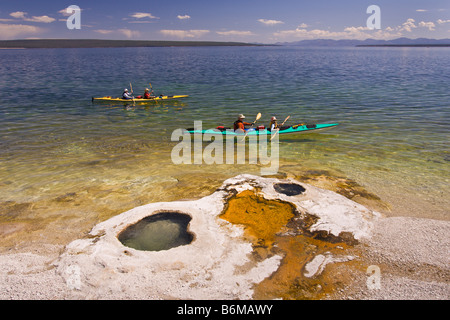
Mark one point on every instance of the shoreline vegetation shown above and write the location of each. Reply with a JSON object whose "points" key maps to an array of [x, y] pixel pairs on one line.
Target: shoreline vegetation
{"points": [[97, 43]]}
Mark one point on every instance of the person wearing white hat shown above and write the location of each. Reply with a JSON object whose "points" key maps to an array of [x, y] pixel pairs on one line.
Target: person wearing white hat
{"points": [[239, 124], [273, 123], [126, 95], [148, 94]]}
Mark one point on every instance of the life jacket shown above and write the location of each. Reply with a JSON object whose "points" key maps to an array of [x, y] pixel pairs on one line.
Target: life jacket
{"points": [[238, 124], [126, 95]]}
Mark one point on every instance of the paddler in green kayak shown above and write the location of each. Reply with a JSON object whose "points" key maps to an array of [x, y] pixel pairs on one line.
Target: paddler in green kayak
{"points": [[239, 124], [273, 123]]}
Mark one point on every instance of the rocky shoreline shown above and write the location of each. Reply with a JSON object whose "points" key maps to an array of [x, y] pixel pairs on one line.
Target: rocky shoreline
{"points": [[328, 247]]}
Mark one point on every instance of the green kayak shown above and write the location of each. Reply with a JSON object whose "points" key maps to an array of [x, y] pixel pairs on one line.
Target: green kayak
{"points": [[295, 129]]}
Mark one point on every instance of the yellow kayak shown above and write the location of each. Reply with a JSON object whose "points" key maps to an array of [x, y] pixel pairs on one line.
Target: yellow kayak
{"points": [[159, 98]]}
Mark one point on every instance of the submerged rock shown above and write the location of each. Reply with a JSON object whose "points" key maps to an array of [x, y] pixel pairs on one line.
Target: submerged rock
{"points": [[244, 233]]}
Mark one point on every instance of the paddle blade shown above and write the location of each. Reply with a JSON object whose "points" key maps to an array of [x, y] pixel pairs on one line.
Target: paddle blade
{"points": [[285, 120]]}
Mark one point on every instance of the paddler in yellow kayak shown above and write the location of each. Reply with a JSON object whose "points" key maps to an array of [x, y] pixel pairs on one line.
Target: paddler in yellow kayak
{"points": [[148, 94], [126, 95]]}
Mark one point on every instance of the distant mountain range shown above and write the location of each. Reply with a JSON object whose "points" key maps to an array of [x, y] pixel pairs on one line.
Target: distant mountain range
{"points": [[402, 42]]}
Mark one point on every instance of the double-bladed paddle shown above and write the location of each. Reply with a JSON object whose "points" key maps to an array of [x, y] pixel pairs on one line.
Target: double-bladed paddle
{"points": [[258, 116], [273, 136]]}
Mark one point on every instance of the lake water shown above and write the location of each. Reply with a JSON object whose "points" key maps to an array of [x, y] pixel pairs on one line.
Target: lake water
{"points": [[67, 163]]}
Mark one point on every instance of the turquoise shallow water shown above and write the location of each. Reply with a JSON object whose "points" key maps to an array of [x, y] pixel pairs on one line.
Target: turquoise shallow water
{"points": [[60, 151]]}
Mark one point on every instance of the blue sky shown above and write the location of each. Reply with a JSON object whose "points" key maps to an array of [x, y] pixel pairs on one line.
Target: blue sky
{"points": [[261, 21]]}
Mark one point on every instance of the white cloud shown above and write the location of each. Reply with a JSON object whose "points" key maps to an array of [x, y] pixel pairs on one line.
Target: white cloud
{"points": [[408, 25], [184, 17], [303, 25], [235, 33], [356, 29], [12, 31], [140, 21], [126, 32], [307, 34], [23, 15], [429, 25], [141, 15], [184, 33], [103, 31], [43, 19], [18, 14], [421, 10], [357, 33], [65, 13], [270, 22]]}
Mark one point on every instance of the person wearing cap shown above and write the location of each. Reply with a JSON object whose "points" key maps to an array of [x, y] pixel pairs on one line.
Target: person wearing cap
{"points": [[239, 124], [148, 94], [126, 95], [273, 123]]}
